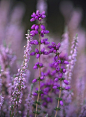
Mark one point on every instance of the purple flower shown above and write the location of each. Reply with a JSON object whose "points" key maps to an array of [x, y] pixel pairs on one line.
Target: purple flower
{"points": [[43, 16], [64, 70], [61, 103], [42, 35], [50, 46], [35, 42], [66, 82], [37, 63], [32, 42], [54, 87], [42, 27], [58, 46], [53, 44], [42, 40], [33, 15], [35, 67], [56, 79], [67, 87], [36, 27], [46, 42], [33, 26], [44, 104], [35, 94], [40, 64], [36, 32], [42, 50], [45, 53], [51, 50], [32, 19], [53, 72], [34, 80], [54, 51], [37, 56], [46, 31], [32, 54], [66, 62], [36, 17], [42, 77], [37, 12], [36, 50], [43, 13]]}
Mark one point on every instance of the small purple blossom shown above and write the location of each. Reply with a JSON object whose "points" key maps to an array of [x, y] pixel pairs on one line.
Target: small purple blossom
{"points": [[34, 80], [66, 82], [61, 103]]}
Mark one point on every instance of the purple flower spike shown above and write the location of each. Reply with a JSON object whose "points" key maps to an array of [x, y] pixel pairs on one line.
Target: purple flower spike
{"points": [[61, 103], [34, 80], [32, 54], [66, 82], [37, 56], [42, 27]]}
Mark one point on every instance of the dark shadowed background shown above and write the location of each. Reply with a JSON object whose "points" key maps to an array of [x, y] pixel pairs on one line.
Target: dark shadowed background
{"points": [[55, 20]]}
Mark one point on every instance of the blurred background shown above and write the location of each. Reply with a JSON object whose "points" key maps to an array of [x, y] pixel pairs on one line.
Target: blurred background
{"points": [[16, 14], [15, 18]]}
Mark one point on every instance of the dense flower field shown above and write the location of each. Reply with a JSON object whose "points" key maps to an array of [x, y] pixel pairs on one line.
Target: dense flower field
{"points": [[49, 94]]}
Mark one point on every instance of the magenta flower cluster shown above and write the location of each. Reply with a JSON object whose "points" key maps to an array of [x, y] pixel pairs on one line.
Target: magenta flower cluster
{"points": [[44, 97]]}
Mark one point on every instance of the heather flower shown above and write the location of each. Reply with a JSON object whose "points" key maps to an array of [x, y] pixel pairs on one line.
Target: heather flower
{"points": [[19, 83], [61, 103], [34, 80], [41, 31], [72, 58]]}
